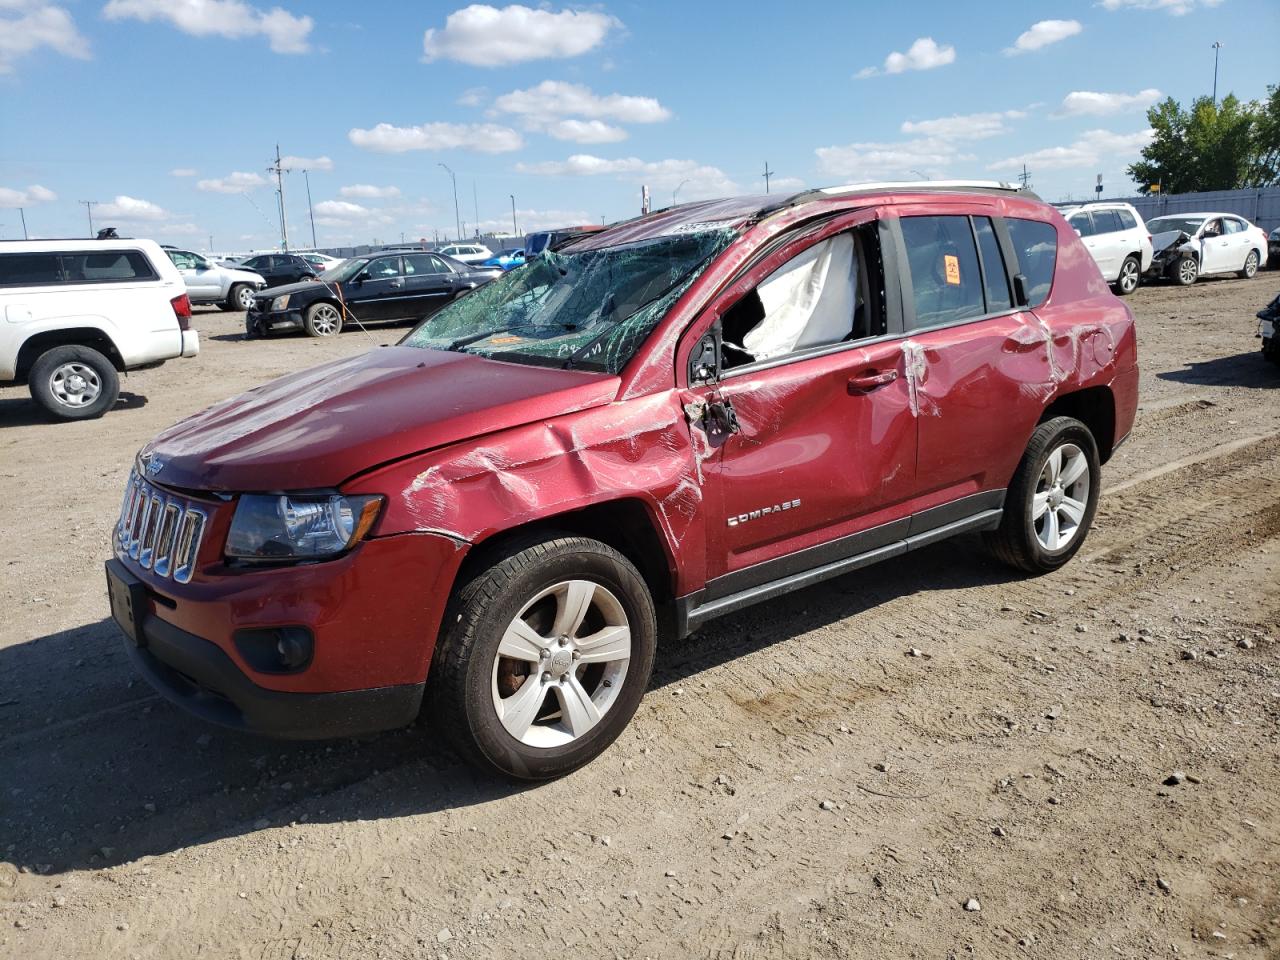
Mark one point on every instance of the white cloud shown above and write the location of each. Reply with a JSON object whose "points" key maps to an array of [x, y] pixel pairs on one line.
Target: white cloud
{"points": [[473, 96], [367, 191], [183, 172], [342, 213], [904, 160], [925, 54], [1091, 149], [306, 163], [703, 180], [131, 208], [481, 137], [530, 220], [232, 19], [28, 25], [485, 36], [237, 182], [1042, 34], [585, 131], [1079, 103], [1175, 7], [555, 98], [10, 198], [341, 208], [972, 126]]}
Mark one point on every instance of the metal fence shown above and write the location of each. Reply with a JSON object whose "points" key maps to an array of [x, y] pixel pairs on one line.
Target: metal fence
{"points": [[1259, 205]]}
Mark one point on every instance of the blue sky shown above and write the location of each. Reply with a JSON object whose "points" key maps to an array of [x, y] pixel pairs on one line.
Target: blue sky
{"points": [[168, 113]]}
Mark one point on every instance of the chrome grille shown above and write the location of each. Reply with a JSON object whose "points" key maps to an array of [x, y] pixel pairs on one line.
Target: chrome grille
{"points": [[159, 530]]}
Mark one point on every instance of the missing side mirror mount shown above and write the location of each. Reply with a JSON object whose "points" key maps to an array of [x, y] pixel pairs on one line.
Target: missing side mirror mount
{"points": [[704, 362]]}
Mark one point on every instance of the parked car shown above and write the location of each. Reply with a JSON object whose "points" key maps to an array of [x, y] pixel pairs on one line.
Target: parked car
{"points": [[506, 261], [77, 313], [1273, 249], [320, 261], [697, 410], [535, 243], [1268, 322], [394, 286], [1189, 245], [231, 288], [467, 252], [279, 269], [1116, 238]]}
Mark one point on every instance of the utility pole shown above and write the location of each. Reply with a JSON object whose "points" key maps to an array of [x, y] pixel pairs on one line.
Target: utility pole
{"points": [[683, 182], [88, 205], [280, 171], [767, 174], [23, 214], [457, 211], [311, 213], [1025, 177], [515, 230], [211, 243], [1217, 45], [475, 206]]}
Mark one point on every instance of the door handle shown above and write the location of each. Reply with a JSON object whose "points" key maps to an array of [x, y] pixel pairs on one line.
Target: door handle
{"points": [[872, 380], [397, 284]]}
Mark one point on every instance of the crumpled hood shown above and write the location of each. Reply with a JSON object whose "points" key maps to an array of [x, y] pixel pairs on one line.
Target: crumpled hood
{"points": [[321, 426], [1168, 239]]}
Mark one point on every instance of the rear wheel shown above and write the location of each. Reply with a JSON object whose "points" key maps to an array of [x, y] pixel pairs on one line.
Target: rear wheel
{"points": [[1186, 272], [322, 320], [1130, 274], [74, 383], [1250, 269], [546, 655], [1051, 502]]}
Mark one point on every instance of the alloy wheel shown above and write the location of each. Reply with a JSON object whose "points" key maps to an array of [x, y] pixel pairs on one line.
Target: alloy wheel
{"points": [[245, 298], [325, 320], [1187, 271], [561, 664], [1250, 265], [1129, 276], [1061, 498], [75, 384]]}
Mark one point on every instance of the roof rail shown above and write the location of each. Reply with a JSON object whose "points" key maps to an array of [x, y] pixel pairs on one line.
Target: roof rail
{"points": [[923, 185]]}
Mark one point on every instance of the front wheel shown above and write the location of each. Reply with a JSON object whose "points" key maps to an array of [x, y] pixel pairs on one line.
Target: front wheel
{"points": [[1186, 272], [1130, 274], [545, 657], [322, 320], [240, 297], [74, 383], [1250, 269], [1050, 504]]}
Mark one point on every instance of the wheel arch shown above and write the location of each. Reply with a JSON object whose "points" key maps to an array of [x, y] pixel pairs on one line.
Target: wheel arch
{"points": [[1095, 407], [91, 337]]}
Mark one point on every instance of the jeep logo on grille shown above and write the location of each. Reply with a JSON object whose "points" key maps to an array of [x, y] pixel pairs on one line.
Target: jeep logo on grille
{"points": [[763, 511], [153, 465]]}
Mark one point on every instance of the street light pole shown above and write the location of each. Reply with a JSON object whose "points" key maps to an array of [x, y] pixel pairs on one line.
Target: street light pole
{"points": [[677, 190], [457, 211], [1217, 45], [23, 214], [88, 205], [475, 206], [515, 230], [310, 212]]}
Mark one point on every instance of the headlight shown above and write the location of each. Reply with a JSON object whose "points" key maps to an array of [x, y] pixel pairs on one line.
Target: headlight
{"points": [[279, 303], [299, 527]]}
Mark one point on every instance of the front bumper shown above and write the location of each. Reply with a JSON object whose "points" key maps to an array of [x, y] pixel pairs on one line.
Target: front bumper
{"points": [[267, 321]]}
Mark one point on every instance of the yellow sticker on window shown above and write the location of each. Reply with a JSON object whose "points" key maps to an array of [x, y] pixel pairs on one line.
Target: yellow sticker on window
{"points": [[498, 340], [953, 269]]}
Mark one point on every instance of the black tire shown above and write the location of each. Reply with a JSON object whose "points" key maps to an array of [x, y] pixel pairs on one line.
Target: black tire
{"points": [[239, 297], [323, 319], [1185, 271], [1130, 276], [251, 329], [1016, 541], [464, 681], [1250, 269], [54, 385]]}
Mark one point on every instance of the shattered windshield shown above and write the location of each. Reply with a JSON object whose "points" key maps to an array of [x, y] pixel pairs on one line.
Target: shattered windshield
{"points": [[590, 309]]}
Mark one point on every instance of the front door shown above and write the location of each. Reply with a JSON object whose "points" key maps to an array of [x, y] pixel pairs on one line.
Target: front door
{"points": [[822, 463], [375, 292], [1215, 248]]}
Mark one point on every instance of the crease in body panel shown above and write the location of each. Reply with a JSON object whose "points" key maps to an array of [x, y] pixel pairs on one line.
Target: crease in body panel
{"points": [[916, 366]]}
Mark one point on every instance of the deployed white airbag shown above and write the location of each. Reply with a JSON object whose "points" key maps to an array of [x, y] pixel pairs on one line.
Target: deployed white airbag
{"points": [[808, 302]]}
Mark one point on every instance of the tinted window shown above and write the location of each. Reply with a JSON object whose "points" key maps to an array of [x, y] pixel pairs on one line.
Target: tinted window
{"points": [[423, 263], [1036, 246], [1081, 224], [257, 263], [1106, 221], [384, 267], [111, 265], [946, 283], [1127, 221], [182, 260], [995, 278], [29, 269]]}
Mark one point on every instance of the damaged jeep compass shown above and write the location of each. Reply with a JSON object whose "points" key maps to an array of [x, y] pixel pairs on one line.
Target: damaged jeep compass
{"points": [[492, 523]]}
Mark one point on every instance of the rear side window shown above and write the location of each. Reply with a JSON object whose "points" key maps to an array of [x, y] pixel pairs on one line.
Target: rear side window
{"points": [[1106, 221], [1035, 244], [107, 266], [29, 269], [995, 278], [1233, 226], [1127, 222], [946, 283]]}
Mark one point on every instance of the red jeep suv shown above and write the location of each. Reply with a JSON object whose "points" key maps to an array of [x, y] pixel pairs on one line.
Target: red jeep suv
{"points": [[672, 419]]}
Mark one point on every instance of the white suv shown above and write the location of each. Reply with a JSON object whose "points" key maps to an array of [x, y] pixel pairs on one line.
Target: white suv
{"points": [[76, 313], [467, 252], [1116, 237]]}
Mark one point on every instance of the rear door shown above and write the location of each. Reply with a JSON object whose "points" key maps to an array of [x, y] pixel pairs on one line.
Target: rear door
{"points": [[1111, 242], [976, 363], [1082, 223], [428, 285]]}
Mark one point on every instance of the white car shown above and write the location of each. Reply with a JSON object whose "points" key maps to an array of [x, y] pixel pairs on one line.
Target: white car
{"points": [[231, 288], [321, 261], [74, 314], [1189, 245], [1116, 237], [467, 252]]}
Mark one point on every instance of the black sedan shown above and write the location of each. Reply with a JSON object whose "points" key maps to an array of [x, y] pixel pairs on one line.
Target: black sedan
{"points": [[391, 286], [280, 268]]}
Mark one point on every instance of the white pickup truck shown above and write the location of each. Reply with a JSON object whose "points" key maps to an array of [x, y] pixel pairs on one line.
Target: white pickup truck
{"points": [[74, 314]]}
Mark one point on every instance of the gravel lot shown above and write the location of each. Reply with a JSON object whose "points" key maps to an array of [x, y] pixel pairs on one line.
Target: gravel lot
{"points": [[796, 784]]}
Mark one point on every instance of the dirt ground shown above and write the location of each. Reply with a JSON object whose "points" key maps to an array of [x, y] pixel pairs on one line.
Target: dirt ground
{"points": [[796, 783]]}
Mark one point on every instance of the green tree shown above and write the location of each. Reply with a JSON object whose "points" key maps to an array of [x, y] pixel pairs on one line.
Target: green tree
{"points": [[1222, 146]]}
